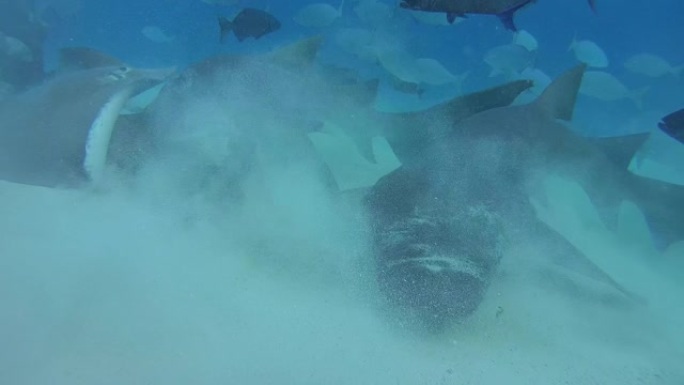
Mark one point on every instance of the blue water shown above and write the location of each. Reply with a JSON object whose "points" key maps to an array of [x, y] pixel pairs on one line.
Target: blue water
{"points": [[621, 28]]}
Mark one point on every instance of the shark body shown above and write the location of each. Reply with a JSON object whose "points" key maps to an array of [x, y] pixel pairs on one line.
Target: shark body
{"points": [[504, 9], [57, 134], [441, 221]]}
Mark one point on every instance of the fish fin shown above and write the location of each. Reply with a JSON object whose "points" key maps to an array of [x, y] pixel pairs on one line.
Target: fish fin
{"points": [[226, 27], [507, 20], [83, 58], [621, 149], [673, 125], [592, 4], [298, 54], [558, 99], [506, 17], [451, 17]]}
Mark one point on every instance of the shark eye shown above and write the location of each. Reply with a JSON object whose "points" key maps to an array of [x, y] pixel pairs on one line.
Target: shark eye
{"points": [[119, 73]]}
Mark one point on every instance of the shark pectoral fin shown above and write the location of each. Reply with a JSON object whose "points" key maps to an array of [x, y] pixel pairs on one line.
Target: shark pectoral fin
{"points": [[558, 99], [385, 158], [141, 101], [565, 207], [350, 169]]}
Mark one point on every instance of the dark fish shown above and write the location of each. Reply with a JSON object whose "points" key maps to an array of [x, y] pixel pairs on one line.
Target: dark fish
{"points": [[441, 220], [504, 9], [249, 22], [673, 125]]}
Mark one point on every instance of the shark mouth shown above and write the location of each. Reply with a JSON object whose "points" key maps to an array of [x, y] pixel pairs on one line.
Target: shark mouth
{"points": [[435, 272]]}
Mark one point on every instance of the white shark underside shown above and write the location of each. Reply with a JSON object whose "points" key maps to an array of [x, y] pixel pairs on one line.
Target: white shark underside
{"points": [[58, 134]]}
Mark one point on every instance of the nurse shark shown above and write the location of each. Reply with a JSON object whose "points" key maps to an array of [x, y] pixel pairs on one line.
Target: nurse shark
{"points": [[504, 9], [442, 221], [58, 134]]}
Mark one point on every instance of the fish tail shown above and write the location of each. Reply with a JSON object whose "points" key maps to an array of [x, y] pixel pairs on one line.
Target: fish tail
{"points": [[592, 5], [506, 17], [226, 27]]}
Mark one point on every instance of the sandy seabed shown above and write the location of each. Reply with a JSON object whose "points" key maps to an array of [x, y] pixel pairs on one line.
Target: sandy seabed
{"points": [[124, 287]]}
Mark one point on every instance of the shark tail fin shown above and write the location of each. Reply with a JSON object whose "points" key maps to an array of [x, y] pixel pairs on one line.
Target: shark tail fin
{"points": [[558, 99]]}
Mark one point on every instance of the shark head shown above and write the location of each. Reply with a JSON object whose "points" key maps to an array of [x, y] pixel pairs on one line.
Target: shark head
{"points": [[435, 268], [57, 134]]}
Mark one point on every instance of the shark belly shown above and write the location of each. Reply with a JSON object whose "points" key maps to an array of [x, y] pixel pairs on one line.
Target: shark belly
{"points": [[100, 133]]}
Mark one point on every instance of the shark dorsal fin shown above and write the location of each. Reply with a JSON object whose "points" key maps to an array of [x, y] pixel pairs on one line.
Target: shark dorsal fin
{"points": [[621, 149], [558, 99], [84, 58], [299, 54], [409, 142], [464, 106]]}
